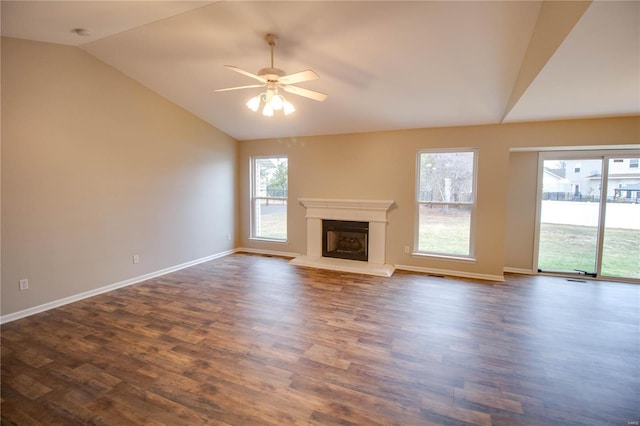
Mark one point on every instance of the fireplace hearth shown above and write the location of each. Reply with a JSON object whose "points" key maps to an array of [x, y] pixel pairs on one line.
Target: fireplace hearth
{"points": [[345, 239]]}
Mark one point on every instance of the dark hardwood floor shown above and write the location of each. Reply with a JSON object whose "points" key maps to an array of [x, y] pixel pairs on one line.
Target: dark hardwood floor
{"points": [[250, 339]]}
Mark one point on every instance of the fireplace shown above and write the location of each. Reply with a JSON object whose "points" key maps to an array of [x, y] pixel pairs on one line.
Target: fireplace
{"points": [[369, 214], [345, 239]]}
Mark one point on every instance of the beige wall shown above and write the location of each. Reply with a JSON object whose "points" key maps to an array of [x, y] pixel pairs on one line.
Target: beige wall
{"points": [[382, 166], [521, 210], [97, 168]]}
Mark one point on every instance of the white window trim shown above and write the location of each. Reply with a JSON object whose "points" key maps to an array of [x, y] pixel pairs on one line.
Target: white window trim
{"points": [[253, 199], [472, 225]]}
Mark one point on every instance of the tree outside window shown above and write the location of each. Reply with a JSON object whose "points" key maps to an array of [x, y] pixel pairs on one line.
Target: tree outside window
{"points": [[269, 192], [445, 202]]}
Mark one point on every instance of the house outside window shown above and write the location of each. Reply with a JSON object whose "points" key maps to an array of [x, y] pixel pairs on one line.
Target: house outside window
{"points": [[269, 192], [445, 202]]}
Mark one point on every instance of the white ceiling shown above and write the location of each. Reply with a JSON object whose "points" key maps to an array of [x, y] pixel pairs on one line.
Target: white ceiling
{"points": [[385, 65]]}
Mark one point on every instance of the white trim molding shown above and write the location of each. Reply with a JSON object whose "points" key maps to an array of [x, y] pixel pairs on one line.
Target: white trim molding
{"points": [[267, 252], [573, 148], [451, 273], [107, 288], [520, 271]]}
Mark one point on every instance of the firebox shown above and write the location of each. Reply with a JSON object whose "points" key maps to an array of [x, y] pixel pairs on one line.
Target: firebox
{"points": [[345, 239]]}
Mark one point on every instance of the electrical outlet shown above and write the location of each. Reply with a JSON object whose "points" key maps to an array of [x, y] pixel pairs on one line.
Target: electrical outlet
{"points": [[24, 284], [136, 258], [228, 237], [407, 249]]}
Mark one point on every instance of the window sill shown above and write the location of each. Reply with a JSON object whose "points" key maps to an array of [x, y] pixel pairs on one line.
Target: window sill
{"points": [[269, 240], [445, 257]]}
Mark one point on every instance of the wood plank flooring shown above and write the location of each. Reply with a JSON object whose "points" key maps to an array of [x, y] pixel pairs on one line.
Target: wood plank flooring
{"points": [[250, 339]]}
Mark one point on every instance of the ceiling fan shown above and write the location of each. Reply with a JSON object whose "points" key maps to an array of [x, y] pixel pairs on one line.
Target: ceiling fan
{"points": [[274, 79]]}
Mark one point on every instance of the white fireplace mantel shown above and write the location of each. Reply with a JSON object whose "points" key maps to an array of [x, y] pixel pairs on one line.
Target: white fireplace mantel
{"points": [[358, 210], [372, 211]]}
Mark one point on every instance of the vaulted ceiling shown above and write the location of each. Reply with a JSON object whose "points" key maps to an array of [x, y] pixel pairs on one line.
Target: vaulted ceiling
{"points": [[384, 65]]}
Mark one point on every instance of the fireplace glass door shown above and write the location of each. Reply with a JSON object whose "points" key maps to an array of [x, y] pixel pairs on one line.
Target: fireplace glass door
{"points": [[345, 239]]}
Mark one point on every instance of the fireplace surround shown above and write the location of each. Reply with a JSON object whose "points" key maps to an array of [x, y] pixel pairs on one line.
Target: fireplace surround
{"points": [[371, 212]]}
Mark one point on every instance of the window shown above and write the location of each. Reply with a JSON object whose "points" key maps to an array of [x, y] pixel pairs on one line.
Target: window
{"points": [[269, 187], [445, 202]]}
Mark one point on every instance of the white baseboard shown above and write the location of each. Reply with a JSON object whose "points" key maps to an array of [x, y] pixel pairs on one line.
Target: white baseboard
{"points": [[266, 252], [447, 272], [518, 271], [84, 295]]}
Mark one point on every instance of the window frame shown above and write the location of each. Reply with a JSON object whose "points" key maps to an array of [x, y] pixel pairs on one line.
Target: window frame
{"points": [[253, 198], [472, 205]]}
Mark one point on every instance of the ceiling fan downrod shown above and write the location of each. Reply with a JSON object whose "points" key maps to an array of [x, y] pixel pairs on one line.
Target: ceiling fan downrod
{"points": [[272, 39]]}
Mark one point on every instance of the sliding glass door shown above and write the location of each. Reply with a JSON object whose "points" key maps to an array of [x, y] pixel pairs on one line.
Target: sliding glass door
{"points": [[589, 221], [569, 215], [621, 233]]}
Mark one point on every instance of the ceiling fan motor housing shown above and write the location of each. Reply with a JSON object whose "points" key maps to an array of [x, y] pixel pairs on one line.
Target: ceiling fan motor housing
{"points": [[271, 74]]}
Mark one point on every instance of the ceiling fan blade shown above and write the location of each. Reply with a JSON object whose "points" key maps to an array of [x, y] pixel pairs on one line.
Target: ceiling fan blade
{"points": [[316, 96], [298, 77], [247, 73], [239, 87]]}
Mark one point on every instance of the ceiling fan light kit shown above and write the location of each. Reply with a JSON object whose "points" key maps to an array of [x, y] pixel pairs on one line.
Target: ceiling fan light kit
{"points": [[272, 102], [274, 79]]}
